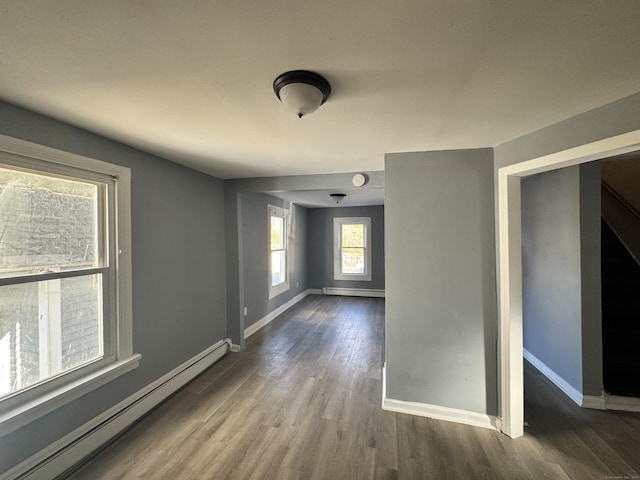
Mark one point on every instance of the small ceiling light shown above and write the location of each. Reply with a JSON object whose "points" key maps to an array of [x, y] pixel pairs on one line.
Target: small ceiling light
{"points": [[301, 91], [338, 197]]}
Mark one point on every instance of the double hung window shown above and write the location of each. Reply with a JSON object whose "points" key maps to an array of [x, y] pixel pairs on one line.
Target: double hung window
{"points": [[352, 252], [65, 325], [278, 277]]}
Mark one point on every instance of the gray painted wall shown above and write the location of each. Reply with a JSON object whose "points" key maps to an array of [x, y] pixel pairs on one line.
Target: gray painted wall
{"points": [[440, 279], [255, 257], [179, 290], [551, 271], [320, 252]]}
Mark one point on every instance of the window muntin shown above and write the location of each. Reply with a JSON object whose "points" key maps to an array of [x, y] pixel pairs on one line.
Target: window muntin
{"points": [[278, 277], [352, 253], [54, 275]]}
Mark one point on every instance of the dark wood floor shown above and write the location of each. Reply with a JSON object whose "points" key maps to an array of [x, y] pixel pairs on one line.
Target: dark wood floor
{"points": [[303, 402]]}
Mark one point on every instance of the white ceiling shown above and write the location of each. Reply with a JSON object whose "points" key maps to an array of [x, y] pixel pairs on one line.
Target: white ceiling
{"points": [[191, 80]]}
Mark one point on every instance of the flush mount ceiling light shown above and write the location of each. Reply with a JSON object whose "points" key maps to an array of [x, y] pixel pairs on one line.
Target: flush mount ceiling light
{"points": [[301, 91], [337, 197]]}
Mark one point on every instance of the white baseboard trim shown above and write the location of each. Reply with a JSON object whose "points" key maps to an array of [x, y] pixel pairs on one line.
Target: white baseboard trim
{"points": [[572, 392], [63, 454], [594, 402], [436, 412], [269, 317], [626, 404], [354, 292], [611, 402], [235, 348], [442, 413], [314, 291]]}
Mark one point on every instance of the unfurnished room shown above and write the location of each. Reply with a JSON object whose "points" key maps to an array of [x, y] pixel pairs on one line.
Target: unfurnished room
{"points": [[319, 240]]}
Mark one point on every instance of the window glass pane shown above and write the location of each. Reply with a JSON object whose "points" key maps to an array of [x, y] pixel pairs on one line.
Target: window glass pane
{"points": [[353, 235], [353, 260], [47, 328], [278, 267], [46, 223], [277, 233]]}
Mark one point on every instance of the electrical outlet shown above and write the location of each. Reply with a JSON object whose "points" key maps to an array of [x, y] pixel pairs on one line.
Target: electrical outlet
{"points": [[297, 284], [245, 311]]}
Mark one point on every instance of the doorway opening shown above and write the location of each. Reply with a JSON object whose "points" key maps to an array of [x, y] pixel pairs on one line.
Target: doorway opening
{"points": [[509, 263]]}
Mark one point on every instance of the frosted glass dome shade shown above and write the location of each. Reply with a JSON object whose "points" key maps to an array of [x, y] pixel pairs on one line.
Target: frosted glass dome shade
{"points": [[301, 98], [301, 91]]}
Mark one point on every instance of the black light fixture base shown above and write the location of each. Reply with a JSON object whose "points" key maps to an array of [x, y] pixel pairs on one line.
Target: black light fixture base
{"points": [[337, 197], [302, 76]]}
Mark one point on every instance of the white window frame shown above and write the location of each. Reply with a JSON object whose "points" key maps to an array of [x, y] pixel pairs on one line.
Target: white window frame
{"points": [[338, 222], [25, 406], [273, 211]]}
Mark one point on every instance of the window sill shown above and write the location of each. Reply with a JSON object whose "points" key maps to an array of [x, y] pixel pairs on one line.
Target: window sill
{"points": [[354, 278], [27, 412], [277, 290]]}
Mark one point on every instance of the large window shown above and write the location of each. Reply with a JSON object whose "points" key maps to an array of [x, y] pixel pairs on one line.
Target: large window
{"points": [[278, 278], [65, 325], [352, 252]]}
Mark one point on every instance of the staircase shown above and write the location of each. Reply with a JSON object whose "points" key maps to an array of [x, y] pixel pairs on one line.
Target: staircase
{"points": [[620, 317]]}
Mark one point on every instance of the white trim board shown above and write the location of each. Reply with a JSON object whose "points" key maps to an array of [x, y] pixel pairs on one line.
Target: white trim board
{"points": [[271, 316], [596, 402], [62, 455], [605, 401], [435, 411], [625, 404], [354, 292], [569, 390], [441, 413], [14, 418]]}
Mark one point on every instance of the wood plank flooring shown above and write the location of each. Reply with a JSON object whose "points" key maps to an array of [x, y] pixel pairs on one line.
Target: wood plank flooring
{"points": [[303, 402]]}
